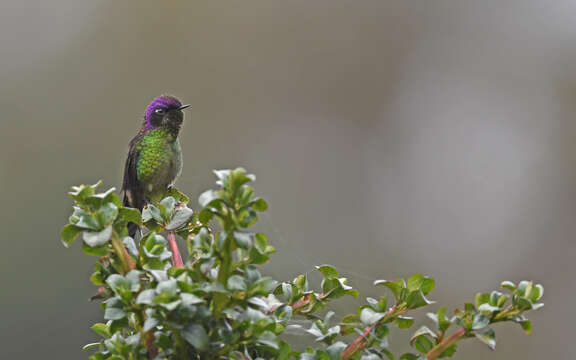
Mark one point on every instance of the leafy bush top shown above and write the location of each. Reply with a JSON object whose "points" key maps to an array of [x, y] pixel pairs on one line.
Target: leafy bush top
{"points": [[215, 304]]}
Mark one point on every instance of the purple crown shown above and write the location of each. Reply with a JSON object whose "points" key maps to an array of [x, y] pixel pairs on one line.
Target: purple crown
{"points": [[163, 101]]}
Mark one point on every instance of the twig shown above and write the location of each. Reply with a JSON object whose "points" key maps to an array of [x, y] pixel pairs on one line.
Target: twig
{"points": [[360, 342], [122, 253], [444, 344], [176, 257]]}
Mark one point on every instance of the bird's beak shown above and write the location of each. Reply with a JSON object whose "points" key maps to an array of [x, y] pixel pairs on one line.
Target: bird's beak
{"points": [[184, 107]]}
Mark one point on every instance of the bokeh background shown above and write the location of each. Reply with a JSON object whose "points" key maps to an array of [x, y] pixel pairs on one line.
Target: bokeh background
{"points": [[389, 137]]}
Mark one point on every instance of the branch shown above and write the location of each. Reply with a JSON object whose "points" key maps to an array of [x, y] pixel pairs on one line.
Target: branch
{"points": [[360, 342], [356, 345], [176, 257], [122, 253], [444, 344]]}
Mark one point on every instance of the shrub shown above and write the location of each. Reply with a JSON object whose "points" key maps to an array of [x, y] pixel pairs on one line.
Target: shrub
{"points": [[216, 304]]}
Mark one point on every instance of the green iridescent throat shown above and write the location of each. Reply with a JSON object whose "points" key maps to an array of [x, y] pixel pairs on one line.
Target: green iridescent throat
{"points": [[157, 149]]}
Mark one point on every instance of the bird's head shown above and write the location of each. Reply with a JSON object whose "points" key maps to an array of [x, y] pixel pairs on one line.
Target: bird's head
{"points": [[164, 111]]}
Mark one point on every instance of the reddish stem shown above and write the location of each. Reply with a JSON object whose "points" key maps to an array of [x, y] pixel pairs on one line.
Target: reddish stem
{"points": [[359, 342], [149, 340], [356, 345], [444, 344], [176, 257]]}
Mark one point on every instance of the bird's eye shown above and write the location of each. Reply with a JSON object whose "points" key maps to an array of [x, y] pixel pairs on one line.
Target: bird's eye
{"points": [[159, 111]]}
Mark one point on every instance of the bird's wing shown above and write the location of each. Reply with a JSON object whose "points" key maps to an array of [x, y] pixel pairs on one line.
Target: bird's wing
{"points": [[132, 187]]}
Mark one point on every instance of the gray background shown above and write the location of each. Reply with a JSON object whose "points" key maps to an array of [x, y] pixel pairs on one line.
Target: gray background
{"points": [[388, 136]]}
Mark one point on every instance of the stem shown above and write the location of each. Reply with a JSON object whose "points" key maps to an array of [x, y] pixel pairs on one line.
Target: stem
{"points": [[359, 342], [356, 345], [225, 268], [176, 257], [149, 340], [122, 253], [444, 344], [226, 262], [181, 349]]}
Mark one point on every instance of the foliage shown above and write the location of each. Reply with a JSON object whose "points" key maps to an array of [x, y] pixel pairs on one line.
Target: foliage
{"points": [[216, 304]]}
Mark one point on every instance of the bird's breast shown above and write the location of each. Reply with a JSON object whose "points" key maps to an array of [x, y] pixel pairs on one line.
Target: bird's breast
{"points": [[159, 164]]}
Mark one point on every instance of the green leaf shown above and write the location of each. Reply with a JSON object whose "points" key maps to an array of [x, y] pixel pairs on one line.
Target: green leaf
{"points": [[404, 322], [81, 192], [154, 246], [263, 286], [508, 285], [95, 239], [261, 243], [481, 298], [133, 278], [395, 286], [488, 309], [526, 326], [205, 216], [260, 205], [95, 251], [101, 329], [416, 299], [420, 282], [423, 344], [424, 330], [244, 240], [236, 282], [207, 197], [114, 310], [369, 316], [196, 336], [328, 271], [177, 195], [247, 218], [151, 212], [480, 321], [501, 301], [537, 292], [90, 346], [268, 339], [126, 215], [69, 234], [427, 285], [131, 246], [87, 222], [118, 283], [524, 323], [190, 299], [169, 203], [107, 214], [301, 282], [180, 218], [146, 297], [440, 319], [105, 194], [150, 323], [335, 350], [522, 303], [488, 337], [414, 282], [410, 356], [169, 287]]}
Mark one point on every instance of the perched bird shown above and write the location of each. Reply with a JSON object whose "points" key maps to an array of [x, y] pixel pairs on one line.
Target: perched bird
{"points": [[155, 158]]}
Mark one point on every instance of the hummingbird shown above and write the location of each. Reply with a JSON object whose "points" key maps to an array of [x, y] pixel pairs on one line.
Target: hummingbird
{"points": [[154, 158]]}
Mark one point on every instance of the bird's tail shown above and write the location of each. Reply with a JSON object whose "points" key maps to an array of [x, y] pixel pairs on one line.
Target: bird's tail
{"points": [[132, 229]]}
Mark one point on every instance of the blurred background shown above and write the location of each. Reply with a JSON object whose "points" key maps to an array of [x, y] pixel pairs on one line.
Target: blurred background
{"points": [[389, 137]]}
